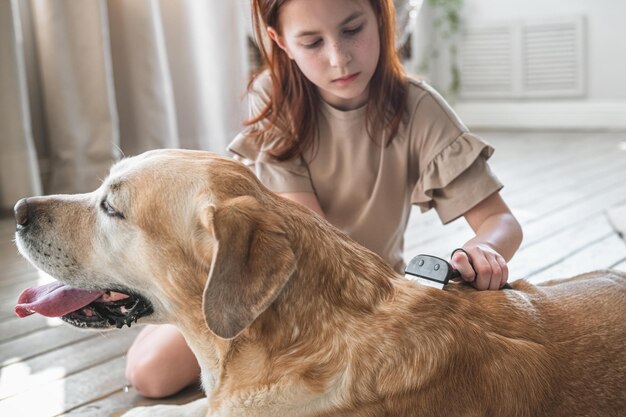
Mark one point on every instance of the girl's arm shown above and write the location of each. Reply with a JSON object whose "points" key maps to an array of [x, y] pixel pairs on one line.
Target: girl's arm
{"points": [[308, 200], [498, 236]]}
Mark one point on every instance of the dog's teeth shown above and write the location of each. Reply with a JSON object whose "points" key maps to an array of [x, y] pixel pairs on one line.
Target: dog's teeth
{"points": [[113, 296]]}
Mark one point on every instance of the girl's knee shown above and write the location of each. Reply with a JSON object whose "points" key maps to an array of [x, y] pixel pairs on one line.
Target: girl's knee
{"points": [[148, 376], [159, 363]]}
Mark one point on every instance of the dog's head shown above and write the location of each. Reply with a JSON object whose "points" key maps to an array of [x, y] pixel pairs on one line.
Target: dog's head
{"points": [[144, 243]]}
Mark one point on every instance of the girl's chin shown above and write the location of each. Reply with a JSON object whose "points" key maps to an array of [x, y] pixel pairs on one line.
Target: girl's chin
{"points": [[344, 101]]}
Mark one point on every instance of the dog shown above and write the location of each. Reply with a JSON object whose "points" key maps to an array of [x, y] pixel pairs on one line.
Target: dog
{"points": [[290, 317]]}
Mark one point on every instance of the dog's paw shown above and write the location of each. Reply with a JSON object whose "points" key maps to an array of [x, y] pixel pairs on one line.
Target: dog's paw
{"points": [[196, 408]]}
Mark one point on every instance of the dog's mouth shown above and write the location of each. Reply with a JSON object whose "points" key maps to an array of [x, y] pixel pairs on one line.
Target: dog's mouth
{"points": [[81, 308]]}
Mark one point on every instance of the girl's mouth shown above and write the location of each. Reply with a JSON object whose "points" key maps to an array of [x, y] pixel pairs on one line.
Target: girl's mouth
{"points": [[347, 79]]}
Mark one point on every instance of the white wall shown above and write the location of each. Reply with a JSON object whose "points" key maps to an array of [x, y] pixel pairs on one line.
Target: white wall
{"points": [[606, 34], [604, 104]]}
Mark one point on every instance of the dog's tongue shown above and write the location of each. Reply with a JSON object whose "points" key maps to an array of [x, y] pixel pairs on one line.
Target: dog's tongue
{"points": [[54, 300]]}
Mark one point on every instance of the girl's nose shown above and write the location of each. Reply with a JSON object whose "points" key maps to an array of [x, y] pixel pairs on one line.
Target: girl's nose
{"points": [[339, 56]]}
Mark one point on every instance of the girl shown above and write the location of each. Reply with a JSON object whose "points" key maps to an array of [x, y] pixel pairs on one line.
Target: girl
{"points": [[339, 127]]}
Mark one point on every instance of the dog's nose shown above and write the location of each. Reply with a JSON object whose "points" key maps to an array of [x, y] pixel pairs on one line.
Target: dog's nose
{"points": [[21, 213]]}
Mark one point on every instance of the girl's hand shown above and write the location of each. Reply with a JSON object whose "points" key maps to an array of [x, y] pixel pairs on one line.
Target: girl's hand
{"points": [[481, 266]]}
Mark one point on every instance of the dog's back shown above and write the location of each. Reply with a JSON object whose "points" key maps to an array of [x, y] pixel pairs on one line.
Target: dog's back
{"points": [[587, 326], [550, 350]]}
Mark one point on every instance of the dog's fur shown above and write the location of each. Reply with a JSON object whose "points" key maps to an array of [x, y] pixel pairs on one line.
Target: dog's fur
{"points": [[290, 317]]}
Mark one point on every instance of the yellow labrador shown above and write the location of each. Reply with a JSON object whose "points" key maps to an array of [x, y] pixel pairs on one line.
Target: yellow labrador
{"points": [[290, 317]]}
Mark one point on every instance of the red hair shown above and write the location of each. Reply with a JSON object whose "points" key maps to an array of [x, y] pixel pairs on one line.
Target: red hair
{"points": [[294, 99]]}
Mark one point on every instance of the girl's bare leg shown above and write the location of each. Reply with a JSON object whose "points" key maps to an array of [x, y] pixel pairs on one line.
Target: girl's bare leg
{"points": [[159, 362]]}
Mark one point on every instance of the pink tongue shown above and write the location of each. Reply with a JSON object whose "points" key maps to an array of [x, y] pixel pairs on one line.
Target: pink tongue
{"points": [[54, 300]]}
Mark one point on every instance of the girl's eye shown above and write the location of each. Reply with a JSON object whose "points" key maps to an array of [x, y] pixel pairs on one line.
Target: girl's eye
{"points": [[109, 210], [313, 45], [353, 31]]}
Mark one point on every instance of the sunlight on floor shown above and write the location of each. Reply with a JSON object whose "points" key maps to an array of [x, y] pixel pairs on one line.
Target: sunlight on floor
{"points": [[18, 377], [31, 399], [24, 392], [622, 146], [10, 374]]}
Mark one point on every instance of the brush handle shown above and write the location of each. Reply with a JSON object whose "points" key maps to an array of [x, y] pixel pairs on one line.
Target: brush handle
{"points": [[435, 269]]}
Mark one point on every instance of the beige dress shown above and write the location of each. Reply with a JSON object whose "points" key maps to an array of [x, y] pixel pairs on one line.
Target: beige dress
{"points": [[366, 189]]}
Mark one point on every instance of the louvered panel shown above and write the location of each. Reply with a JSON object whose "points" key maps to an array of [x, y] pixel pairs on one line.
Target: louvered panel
{"points": [[552, 56], [524, 59], [486, 62]]}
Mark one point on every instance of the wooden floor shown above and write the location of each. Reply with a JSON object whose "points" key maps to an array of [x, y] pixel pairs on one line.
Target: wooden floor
{"points": [[568, 190]]}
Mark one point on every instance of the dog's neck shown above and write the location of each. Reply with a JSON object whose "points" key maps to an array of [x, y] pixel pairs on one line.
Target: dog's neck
{"points": [[296, 338], [337, 280]]}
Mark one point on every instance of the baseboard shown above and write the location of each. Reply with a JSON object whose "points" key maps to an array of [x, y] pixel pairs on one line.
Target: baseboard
{"points": [[584, 115]]}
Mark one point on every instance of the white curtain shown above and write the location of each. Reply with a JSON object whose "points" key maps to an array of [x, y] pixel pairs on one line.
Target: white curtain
{"points": [[18, 158], [83, 81]]}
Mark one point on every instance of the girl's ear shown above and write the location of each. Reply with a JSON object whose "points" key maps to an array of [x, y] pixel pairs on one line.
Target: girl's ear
{"points": [[280, 41]]}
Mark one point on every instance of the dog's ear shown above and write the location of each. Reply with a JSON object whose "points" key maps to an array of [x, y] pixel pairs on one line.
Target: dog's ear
{"points": [[252, 261]]}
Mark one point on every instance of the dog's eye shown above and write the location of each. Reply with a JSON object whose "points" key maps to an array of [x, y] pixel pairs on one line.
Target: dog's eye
{"points": [[109, 210]]}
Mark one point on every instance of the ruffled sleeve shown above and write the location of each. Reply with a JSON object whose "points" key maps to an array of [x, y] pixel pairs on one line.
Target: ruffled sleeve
{"points": [[457, 178]]}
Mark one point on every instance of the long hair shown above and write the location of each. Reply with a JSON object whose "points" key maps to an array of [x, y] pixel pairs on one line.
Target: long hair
{"points": [[294, 99]]}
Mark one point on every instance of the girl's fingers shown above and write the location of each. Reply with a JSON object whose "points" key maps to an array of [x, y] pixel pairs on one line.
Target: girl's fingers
{"points": [[496, 274], [461, 262], [483, 269], [505, 270]]}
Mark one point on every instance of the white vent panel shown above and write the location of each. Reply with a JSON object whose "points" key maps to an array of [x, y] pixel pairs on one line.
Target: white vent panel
{"points": [[524, 59], [553, 59], [486, 61]]}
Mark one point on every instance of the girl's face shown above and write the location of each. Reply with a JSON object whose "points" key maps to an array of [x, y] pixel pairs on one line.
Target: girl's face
{"points": [[336, 45]]}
